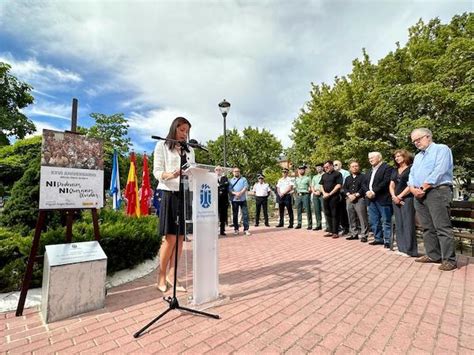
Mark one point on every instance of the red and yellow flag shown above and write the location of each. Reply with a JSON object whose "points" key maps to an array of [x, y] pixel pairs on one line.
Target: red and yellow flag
{"points": [[131, 191], [146, 192]]}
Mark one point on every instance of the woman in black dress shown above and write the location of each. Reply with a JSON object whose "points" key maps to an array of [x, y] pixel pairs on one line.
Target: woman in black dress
{"points": [[403, 207], [167, 164]]}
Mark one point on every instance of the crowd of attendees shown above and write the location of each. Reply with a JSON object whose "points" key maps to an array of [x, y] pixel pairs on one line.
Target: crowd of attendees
{"points": [[357, 204]]}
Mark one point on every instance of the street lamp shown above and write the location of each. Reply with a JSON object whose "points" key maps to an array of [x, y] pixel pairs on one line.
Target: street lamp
{"points": [[224, 106]]}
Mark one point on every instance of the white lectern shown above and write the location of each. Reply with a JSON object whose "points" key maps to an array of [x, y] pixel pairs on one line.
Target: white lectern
{"points": [[203, 184]]}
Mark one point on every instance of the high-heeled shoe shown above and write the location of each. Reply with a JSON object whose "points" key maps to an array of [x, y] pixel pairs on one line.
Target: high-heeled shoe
{"points": [[162, 288], [179, 287]]}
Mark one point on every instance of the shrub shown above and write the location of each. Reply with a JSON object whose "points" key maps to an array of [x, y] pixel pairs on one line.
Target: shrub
{"points": [[126, 241]]}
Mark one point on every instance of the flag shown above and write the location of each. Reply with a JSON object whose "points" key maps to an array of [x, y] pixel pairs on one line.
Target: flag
{"points": [[145, 192], [115, 183], [131, 191]]}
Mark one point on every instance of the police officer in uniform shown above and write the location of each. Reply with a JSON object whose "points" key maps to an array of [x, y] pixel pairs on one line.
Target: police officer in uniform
{"points": [[303, 189]]}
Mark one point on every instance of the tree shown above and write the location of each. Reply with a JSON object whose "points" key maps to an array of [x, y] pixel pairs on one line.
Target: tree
{"points": [[14, 95], [426, 83], [113, 130], [16, 158], [252, 151]]}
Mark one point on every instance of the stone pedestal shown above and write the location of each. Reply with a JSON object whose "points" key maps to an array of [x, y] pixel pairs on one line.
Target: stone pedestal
{"points": [[73, 280]]}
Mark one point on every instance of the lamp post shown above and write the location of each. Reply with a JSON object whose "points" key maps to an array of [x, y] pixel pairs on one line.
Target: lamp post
{"points": [[224, 106]]}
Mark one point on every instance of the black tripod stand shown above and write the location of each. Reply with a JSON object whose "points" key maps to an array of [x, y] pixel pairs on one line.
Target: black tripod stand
{"points": [[173, 301]]}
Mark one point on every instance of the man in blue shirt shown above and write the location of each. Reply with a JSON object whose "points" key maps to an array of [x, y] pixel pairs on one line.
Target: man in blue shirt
{"points": [[238, 187], [431, 182]]}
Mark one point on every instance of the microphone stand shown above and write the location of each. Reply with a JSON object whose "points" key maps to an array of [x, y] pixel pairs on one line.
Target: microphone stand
{"points": [[173, 301]]}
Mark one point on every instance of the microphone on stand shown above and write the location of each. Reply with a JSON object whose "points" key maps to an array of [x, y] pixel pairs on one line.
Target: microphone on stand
{"points": [[194, 143]]}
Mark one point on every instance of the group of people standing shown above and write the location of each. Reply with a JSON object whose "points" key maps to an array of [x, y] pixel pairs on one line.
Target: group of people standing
{"points": [[352, 202], [355, 204]]}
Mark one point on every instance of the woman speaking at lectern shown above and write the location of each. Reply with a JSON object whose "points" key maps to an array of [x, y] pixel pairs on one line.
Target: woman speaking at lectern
{"points": [[166, 168]]}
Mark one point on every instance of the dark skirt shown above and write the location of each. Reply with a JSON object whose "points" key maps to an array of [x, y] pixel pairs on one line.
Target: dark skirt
{"points": [[170, 203]]}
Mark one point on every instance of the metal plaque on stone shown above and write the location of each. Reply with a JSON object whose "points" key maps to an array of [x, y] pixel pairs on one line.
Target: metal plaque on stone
{"points": [[74, 277]]}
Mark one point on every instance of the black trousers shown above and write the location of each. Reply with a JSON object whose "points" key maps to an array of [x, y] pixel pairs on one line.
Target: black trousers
{"points": [[343, 217], [331, 211], [285, 201], [222, 206], [261, 201]]}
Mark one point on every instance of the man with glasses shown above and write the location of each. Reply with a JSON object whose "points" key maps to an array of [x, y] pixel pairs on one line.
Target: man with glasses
{"points": [[285, 187], [431, 182]]}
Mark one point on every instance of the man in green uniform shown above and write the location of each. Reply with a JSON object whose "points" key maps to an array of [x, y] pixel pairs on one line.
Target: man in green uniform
{"points": [[303, 189]]}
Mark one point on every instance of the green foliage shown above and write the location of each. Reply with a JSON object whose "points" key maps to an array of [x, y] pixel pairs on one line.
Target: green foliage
{"points": [[113, 130], [126, 242], [15, 159], [21, 209], [14, 95], [427, 83], [252, 151]]}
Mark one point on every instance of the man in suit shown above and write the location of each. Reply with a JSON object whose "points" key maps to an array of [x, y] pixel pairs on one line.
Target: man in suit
{"points": [[223, 198], [378, 196]]}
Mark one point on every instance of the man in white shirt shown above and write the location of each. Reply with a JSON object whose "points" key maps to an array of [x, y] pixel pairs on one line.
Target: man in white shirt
{"points": [[261, 190], [285, 188]]}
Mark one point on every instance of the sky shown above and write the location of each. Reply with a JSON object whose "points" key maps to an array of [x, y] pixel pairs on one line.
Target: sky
{"points": [[156, 60]]}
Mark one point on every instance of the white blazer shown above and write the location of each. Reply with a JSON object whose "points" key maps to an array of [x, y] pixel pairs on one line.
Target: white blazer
{"points": [[165, 160]]}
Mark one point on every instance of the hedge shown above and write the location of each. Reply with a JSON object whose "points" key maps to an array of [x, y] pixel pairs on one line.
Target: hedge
{"points": [[125, 240]]}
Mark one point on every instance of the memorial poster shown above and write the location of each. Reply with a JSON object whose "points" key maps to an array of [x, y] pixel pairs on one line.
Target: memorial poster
{"points": [[72, 171]]}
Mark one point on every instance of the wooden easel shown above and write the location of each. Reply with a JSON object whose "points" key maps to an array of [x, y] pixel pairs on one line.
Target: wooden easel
{"points": [[39, 225]]}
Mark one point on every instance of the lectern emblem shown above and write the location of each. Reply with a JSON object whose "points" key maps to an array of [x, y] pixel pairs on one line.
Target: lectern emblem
{"points": [[205, 196]]}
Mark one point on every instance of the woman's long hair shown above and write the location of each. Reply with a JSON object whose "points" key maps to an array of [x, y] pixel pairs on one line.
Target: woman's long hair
{"points": [[178, 121], [407, 157]]}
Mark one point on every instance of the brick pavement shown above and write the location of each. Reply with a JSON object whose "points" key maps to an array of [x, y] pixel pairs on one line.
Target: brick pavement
{"points": [[286, 291]]}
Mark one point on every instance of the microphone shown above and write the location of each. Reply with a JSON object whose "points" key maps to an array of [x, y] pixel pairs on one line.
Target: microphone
{"points": [[194, 143]]}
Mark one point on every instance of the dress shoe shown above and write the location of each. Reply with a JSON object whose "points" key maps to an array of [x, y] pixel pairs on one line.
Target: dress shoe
{"points": [[376, 242], [298, 226], [279, 225], [267, 224], [386, 246], [222, 234], [353, 237], [363, 239], [318, 228], [335, 236], [426, 259], [309, 228], [447, 266], [256, 225], [290, 226]]}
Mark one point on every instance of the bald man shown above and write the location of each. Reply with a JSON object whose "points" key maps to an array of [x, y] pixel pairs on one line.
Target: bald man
{"points": [[380, 202]]}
